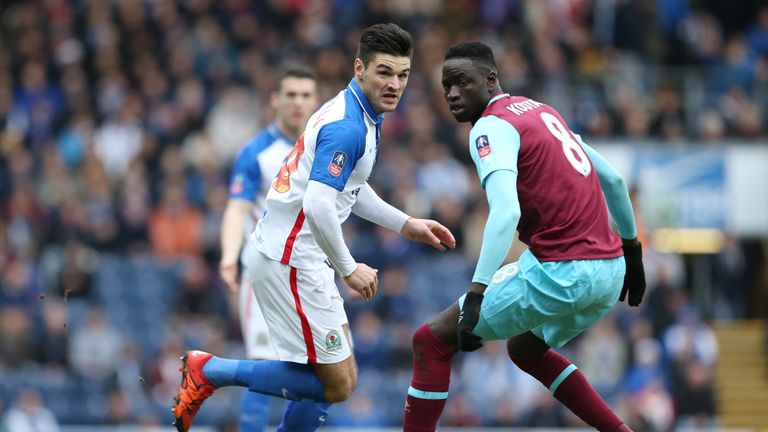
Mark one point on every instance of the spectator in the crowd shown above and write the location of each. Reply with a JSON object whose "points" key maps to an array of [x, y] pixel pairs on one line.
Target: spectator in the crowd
{"points": [[94, 349], [370, 347], [647, 385], [39, 102], [118, 140], [602, 356], [693, 389], [16, 337], [29, 414], [486, 394], [232, 121], [359, 411], [51, 343], [175, 227]]}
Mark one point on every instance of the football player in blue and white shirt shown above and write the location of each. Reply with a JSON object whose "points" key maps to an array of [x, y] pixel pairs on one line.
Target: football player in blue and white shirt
{"points": [[322, 180], [254, 169]]}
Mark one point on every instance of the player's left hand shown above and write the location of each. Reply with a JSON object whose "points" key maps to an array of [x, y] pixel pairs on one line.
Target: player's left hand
{"points": [[634, 278], [429, 232]]}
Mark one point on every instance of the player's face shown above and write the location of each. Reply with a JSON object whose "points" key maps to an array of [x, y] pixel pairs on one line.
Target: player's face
{"points": [[466, 89], [383, 80], [294, 102]]}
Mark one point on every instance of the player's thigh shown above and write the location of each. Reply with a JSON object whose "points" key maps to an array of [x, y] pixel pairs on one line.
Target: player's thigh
{"points": [[557, 333], [315, 291], [303, 310], [595, 299], [253, 325], [526, 345], [518, 299], [343, 372]]}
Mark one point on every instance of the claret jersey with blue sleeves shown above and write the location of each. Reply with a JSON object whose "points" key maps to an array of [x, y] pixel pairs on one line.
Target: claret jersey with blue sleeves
{"points": [[255, 168], [338, 148], [563, 212]]}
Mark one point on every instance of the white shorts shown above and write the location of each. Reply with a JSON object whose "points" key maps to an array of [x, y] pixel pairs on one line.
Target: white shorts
{"points": [[254, 327], [302, 307]]}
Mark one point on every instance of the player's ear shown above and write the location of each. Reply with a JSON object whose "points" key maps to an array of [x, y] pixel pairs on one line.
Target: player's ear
{"points": [[491, 80], [359, 69], [273, 100]]}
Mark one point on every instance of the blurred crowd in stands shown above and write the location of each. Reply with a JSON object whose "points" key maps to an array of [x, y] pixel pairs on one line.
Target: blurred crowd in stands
{"points": [[119, 121]]}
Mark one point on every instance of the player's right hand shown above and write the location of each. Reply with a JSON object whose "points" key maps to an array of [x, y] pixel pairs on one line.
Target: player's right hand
{"points": [[364, 280], [634, 278], [228, 273]]}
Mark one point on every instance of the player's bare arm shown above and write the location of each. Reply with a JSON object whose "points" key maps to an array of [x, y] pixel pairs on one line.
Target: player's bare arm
{"points": [[233, 221]]}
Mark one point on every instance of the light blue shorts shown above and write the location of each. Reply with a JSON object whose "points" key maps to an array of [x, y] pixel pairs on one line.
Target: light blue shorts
{"points": [[554, 300]]}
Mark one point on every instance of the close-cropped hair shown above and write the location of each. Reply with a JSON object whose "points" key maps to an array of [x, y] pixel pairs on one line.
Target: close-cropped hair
{"points": [[384, 39], [478, 52], [295, 72]]}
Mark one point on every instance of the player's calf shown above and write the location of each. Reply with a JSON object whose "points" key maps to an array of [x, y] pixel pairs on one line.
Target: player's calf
{"points": [[303, 416], [430, 381], [568, 385]]}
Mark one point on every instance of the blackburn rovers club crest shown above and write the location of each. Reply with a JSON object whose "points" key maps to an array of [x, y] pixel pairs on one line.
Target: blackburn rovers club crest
{"points": [[332, 341], [483, 146], [337, 163]]}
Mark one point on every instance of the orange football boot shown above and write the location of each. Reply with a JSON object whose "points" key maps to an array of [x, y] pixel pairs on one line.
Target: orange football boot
{"points": [[194, 389]]}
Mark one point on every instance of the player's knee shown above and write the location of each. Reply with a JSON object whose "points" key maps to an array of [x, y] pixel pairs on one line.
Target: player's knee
{"points": [[421, 336], [526, 355], [512, 349], [428, 340], [341, 389], [526, 345]]}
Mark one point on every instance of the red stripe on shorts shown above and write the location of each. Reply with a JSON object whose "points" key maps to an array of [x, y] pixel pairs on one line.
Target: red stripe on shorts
{"points": [[292, 238], [311, 354]]}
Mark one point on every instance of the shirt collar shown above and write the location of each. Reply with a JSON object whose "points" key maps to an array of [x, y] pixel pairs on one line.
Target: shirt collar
{"points": [[277, 133], [496, 97], [363, 101]]}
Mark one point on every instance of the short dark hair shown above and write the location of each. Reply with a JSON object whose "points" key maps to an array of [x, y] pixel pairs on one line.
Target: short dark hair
{"points": [[478, 52], [384, 39], [295, 71]]}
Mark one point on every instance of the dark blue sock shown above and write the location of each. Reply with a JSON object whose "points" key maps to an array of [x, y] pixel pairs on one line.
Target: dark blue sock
{"points": [[303, 416], [293, 381], [254, 412]]}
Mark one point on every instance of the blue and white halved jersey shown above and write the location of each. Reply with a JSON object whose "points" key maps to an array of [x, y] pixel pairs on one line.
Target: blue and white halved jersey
{"points": [[256, 166], [338, 148]]}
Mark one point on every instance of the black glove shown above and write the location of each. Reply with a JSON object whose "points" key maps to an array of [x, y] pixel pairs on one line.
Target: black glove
{"points": [[634, 278], [468, 318]]}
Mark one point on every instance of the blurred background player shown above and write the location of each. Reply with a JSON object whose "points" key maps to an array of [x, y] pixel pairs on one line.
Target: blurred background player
{"points": [[321, 181], [540, 181], [253, 172]]}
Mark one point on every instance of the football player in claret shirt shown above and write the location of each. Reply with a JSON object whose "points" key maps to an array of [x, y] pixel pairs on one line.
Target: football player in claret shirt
{"points": [[321, 181], [252, 174], [543, 181]]}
